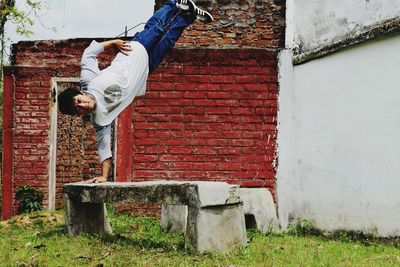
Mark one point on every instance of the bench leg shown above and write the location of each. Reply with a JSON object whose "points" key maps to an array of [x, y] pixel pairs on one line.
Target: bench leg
{"points": [[85, 217], [216, 228]]}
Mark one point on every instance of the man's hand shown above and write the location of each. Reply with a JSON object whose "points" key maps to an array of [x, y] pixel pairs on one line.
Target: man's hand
{"points": [[123, 46], [105, 170], [96, 180]]}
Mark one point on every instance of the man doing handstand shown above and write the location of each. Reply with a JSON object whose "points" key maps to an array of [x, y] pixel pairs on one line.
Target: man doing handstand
{"points": [[106, 93]]}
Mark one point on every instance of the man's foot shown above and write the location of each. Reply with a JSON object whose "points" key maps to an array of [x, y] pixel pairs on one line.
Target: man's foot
{"points": [[190, 6], [95, 180]]}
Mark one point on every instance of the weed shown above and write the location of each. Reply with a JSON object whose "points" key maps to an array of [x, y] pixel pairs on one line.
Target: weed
{"points": [[303, 228], [306, 228], [30, 199]]}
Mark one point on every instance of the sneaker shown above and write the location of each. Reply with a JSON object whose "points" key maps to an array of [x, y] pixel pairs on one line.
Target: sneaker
{"points": [[190, 6]]}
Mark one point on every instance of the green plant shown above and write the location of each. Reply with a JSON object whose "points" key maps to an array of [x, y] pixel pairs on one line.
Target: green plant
{"points": [[30, 199]]}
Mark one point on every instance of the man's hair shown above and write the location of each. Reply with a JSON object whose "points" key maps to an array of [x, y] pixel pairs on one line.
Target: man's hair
{"points": [[65, 101]]}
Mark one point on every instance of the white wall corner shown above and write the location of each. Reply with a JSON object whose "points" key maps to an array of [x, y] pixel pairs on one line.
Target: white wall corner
{"points": [[285, 133]]}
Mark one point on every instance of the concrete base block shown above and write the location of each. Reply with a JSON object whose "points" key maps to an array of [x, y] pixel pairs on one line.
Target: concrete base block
{"points": [[259, 209], [220, 228], [174, 218]]}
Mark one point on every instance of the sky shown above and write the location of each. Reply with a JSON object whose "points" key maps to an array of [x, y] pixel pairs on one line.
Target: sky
{"points": [[85, 18]]}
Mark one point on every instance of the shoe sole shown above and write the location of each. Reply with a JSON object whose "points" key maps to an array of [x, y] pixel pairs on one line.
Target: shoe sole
{"points": [[205, 12], [186, 7]]}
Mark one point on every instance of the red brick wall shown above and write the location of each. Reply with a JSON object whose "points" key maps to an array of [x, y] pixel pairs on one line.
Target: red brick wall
{"points": [[31, 129], [76, 144], [209, 115]]}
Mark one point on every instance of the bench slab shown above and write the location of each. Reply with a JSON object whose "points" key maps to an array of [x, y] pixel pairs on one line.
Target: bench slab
{"points": [[201, 194]]}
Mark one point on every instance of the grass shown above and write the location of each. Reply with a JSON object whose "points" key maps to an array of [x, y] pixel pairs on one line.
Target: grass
{"points": [[40, 239]]}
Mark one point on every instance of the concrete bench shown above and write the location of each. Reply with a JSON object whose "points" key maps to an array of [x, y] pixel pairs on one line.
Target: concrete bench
{"points": [[215, 220]]}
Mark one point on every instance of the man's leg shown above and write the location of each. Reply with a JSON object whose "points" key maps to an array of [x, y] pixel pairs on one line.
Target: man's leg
{"points": [[155, 26], [168, 40]]}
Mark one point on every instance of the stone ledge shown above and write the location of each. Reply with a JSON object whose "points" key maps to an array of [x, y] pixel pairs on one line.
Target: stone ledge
{"points": [[368, 33]]}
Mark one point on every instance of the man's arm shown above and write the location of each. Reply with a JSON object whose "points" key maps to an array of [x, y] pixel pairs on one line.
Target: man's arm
{"points": [[89, 63], [103, 136], [105, 170]]}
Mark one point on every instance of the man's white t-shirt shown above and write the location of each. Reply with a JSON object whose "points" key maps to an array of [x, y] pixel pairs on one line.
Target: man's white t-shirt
{"points": [[114, 87]]}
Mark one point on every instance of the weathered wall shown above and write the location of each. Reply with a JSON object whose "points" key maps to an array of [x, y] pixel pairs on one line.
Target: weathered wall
{"points": [[238, 23], [76, 154], [315, 24], [209, 113], [339, 139]]}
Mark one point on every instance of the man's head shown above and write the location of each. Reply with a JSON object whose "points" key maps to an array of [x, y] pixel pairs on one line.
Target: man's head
{"points": [[73, 102]]}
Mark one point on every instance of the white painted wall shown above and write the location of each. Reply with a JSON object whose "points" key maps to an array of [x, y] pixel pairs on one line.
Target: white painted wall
{"points": [[313, 24], [339, 139]]}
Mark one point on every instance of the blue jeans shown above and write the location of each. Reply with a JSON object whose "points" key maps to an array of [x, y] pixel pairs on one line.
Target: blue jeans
{"points": [[162, 31]]}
